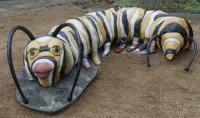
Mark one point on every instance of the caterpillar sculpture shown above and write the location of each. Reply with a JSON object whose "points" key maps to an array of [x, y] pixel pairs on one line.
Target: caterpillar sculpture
{"points": [[48, 57]]}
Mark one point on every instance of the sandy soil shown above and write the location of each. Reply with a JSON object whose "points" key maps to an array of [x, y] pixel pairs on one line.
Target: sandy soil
{"points": [[124, 87]]}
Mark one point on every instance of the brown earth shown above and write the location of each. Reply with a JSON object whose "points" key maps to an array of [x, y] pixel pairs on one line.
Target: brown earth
{"points": [[124, 87]]}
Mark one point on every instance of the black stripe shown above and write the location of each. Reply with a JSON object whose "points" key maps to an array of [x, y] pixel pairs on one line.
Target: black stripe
{"points": [[157, 28], [137, 28], [64, 35], [138, 25], [93, 17], [44, 48], [160, 15], [190, 31], [115, 26], [62, 71], [175, 27], [91, 20], [155, 32], [125, 22], [170, 51], [116, 8], [104, 13], [88, 32], [107, 33]]}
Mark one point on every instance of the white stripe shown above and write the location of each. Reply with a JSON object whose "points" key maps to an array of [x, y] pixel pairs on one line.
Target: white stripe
{"points": [[27, 70], [122, 26], [106, 23], [99, 33], [163, 19], [44, 38], [112, 25], [80, 28], [172, 40], [50, 80], [133, 21], [70, 57]]}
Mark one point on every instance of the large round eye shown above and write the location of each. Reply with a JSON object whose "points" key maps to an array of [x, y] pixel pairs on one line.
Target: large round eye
{"points": [[56, 50], [33, 53]]}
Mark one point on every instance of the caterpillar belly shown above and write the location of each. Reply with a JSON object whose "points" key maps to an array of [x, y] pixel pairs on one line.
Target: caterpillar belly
{"points": [[47, 58]]}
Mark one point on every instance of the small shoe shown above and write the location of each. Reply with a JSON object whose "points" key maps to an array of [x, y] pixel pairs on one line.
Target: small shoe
{"points": [[131, 48], [104, 55], [86, 66], [143, 46], [118, 50]]}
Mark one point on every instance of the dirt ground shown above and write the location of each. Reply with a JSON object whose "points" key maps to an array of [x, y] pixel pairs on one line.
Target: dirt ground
{"points": [[124, 87]]}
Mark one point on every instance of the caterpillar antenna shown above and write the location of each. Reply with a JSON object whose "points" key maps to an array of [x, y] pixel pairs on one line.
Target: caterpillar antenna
{"points": [[78, 67], [148, 63], [10, 60], [194, 42]]}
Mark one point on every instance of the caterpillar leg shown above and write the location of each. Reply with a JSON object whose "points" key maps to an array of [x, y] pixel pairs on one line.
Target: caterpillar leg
{"points": [[122, 46], [95, 52], [142, 49], [95, 56], [86, 63], [106, 50], [134, 45]]}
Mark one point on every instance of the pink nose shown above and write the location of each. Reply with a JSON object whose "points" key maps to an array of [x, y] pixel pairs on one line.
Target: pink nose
{"points": [[42, 70]]}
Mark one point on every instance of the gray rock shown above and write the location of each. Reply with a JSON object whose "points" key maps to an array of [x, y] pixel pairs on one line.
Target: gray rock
{"points": [[53, 99]]}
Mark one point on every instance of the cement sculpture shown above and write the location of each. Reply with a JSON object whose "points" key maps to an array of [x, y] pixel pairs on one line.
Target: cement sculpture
{"points": [[67, 46]]}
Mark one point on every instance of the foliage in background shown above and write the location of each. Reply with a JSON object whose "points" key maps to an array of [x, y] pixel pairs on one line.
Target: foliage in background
{"points": [[192, 6]]}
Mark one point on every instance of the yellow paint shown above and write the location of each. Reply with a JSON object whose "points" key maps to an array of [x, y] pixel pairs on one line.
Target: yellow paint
{"points": [[178, 20], [44, 82], [171, 35], [119, 35], [130, 12], [144, 24], [171, 45], [169, 56]]}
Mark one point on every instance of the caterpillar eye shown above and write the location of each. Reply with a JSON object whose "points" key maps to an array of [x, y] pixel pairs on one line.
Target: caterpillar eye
{"points": [[56, 50], [33, 53]]}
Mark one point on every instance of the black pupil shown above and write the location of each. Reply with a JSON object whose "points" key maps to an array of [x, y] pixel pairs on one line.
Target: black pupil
{"points": [[56, 49], [32, 52]]}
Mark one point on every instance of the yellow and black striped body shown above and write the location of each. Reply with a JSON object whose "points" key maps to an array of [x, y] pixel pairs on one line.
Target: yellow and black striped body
{"points": [[175, 34], [96, 29], [101, 29]]}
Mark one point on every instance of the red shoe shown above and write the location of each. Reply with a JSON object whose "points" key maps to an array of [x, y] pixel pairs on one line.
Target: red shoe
{"points": [[118, 50]]}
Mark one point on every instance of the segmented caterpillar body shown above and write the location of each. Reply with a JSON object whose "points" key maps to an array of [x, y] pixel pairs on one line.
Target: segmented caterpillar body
{"points": [[101, 29]]}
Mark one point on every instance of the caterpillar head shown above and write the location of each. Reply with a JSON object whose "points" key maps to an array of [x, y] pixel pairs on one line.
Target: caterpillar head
{"points": [[172, 43], [171, 47], [44, 56], [43, 59]]}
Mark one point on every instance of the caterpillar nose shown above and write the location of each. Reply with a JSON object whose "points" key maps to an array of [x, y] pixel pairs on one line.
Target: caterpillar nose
{"points": [[169, 54], [42, 70]]}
